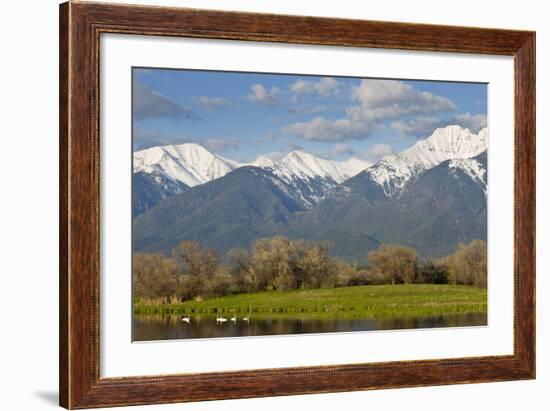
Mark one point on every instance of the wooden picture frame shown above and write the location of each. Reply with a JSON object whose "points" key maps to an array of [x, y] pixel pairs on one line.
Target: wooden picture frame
{"points": [[80, 27]]}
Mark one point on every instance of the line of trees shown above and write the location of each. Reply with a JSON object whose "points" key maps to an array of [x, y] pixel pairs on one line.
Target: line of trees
{"points": [[397, 264], [279, 263]]}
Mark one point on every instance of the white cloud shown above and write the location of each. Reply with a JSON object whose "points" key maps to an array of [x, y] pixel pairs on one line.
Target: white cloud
{"points": [[381, 99], [322, 129], [301, 86], [210, 102], [325, 87], [259, 94], [374, 102]]}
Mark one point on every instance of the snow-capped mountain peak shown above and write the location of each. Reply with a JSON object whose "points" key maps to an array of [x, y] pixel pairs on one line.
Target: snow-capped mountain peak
{"points": [[305, 165], [188, 163], [309, 178], [449, 143], [263, 162], [444, 144]]}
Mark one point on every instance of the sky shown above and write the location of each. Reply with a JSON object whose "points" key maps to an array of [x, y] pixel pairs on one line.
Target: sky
{"points": [[243, 115]]}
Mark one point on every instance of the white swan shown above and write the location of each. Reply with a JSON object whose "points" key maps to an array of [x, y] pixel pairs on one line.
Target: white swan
{"points": [[234, 318], [186, 319], [220, 319], [247, 318]]}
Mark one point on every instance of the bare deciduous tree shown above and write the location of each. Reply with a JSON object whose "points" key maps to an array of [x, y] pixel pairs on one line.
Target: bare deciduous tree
{"points": [[198, 267], [468, 265], [154, 276], [396, 263]]}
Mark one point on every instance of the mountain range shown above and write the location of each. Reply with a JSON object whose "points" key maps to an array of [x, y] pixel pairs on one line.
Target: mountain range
{"points": [[431, 196], [168, 170]]}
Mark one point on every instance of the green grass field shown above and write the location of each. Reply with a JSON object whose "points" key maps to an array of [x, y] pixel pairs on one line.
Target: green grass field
{"points": [[374, 301]]}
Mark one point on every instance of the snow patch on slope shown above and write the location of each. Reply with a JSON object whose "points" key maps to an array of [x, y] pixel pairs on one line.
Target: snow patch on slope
{"points": [[392, 173], [473, 169]]}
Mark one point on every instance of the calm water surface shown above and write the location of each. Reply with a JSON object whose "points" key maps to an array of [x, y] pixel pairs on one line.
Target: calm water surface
{"points": [[168, 327]]}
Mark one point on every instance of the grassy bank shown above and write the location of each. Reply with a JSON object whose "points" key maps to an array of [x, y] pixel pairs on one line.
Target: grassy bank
{"points": [[381, 301]]}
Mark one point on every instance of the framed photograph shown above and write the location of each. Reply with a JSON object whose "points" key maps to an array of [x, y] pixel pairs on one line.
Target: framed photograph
{"points": [[259, 205]]}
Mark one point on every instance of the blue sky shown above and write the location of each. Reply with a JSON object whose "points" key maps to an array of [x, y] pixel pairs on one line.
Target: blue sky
{"points": [[243, 115]]}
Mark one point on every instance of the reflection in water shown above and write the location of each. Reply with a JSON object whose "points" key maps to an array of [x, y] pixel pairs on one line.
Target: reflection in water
{"points": [[168, 327]]}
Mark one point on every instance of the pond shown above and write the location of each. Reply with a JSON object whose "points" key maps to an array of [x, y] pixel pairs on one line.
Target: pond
{"points": [[169, 327]]}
